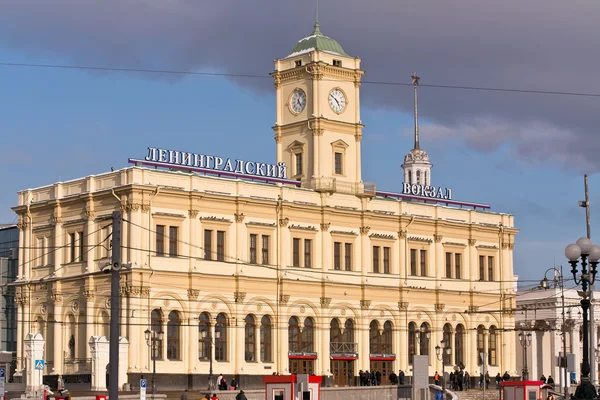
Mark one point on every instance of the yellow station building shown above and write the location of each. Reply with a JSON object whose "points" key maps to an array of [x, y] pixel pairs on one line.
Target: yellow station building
{"points": [[255, 268]]}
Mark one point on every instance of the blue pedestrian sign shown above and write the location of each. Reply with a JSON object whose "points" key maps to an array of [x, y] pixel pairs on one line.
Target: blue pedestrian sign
{"points": [[39, 364], [142, 384], [2, 373]]}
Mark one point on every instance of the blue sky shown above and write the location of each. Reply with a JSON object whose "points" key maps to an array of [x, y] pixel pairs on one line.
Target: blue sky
{"points": [[61, 124]]}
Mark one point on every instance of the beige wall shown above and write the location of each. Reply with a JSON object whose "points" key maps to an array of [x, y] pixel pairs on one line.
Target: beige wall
{"points": [[190, 285]]}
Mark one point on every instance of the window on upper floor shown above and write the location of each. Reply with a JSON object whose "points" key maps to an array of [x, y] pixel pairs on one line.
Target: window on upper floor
{"points": [[423, 261], [490, 268], [337, 63], [173, 241], [413, 262], [302, 255], [381, 259], [160, 240], [338, 163], [298, 63], [299, 164], [220, 245]]}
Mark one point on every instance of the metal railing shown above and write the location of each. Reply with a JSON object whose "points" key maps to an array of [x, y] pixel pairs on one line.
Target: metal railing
{"points": [[343, 348], [75, 366]]}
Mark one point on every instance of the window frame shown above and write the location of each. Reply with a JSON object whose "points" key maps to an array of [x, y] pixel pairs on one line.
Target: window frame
{"points": [[173, 241], [250, 338], [174, 336], [266, 339]]}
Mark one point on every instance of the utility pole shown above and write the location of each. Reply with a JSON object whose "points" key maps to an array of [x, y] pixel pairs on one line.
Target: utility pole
{"points": [[113, 384], [592, 329], [564, 335]]}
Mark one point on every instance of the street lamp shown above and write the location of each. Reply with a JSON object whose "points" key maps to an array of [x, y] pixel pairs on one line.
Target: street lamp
{"points": [[205, 335], [153, 339], [441, 353], [584, 251], [525, 340], [545, 284]]}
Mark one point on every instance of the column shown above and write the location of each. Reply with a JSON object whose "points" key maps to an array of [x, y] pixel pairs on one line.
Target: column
{"points": [[322, 330], [57, 332], [402, 337], [90, 239], [89, 317], [363, 338], [472, 263], [192, 335], [136, 336], [240, 334], [472, 353]]}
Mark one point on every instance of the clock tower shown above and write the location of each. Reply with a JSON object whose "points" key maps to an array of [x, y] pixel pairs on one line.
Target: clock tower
{"points": [[318, 130]]}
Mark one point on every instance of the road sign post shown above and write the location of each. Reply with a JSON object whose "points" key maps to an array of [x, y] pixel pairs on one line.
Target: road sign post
{"points": [[142, 389], [2, 380]]}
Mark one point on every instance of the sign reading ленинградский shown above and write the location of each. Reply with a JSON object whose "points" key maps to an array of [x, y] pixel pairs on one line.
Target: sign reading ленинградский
{"points": [[195, 160]]}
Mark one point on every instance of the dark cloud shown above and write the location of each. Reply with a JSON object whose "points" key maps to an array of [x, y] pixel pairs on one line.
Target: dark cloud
{"points": [[536, 44]]}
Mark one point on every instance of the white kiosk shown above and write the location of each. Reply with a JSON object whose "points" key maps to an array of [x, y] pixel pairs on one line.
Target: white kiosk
{"points": [[292, 387]]}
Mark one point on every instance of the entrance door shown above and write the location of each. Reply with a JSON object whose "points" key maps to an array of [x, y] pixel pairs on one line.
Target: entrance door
{"points": [[301, 366], [385, 367], [343, 372]]}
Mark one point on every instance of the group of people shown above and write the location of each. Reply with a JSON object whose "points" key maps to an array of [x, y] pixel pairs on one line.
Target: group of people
{"points": [[461, 380], [373, 378], [240, 396], [222, 385]]}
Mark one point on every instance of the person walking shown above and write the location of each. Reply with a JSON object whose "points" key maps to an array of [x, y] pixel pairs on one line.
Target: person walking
{"points": [[550, 380], [467, 380], [459, 380], [401, 378], [184, 395], [498, 380], [487, 380], [241, 396], [506, 376], [436, 378]]}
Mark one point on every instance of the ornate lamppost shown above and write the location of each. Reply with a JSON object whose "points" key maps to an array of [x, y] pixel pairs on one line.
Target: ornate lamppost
{"points": [[582, 253], [153, 339], [525, 341], [205, 335], [441, 353]]}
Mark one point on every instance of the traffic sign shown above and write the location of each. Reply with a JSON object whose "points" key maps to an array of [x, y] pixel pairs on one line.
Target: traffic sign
{"points": [[2, 373], [39, 364], [142, 383], [142, 389]]}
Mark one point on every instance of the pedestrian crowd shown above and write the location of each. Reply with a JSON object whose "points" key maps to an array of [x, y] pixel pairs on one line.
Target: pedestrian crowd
{"points": [[373, 378]]}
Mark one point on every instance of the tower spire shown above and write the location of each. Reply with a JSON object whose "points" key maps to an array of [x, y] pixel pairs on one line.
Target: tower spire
{"points": [[317, 14], [415, 82]]}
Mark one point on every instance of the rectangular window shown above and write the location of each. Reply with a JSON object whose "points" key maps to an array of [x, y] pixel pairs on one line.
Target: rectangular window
{"points": [[337, 255], [265, 249], [220, 245], [386, 260], [448, 265], [482, 268], [82, 251], [160, 240], [413, 262], [423, 261], [253, 255], [337, 63], [72, 247], [457, 262], [296, 252], [173, 241], [348, 256], [208, 244], [42, 251], [298, 63], [338, 164], [299, 164], [376, 259], [307, 253], [490, 268]]}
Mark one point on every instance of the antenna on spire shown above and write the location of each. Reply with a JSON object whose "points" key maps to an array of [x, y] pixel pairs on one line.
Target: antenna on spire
{"points": [[415, 82], [317, 14]]}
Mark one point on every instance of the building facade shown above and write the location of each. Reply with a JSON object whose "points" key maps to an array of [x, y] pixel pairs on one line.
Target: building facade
{"points": [[260, 274]]}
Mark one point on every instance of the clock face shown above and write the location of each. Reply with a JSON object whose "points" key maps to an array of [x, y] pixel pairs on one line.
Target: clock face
{"points": [[337, 100], [298, 101]]}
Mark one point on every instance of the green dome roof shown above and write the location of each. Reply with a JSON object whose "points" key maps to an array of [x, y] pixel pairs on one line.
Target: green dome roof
{"points": [[317, 41]]}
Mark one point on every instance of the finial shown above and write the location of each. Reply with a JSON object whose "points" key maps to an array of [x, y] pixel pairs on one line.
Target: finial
{"points": [[317, 14], [415, 82]]}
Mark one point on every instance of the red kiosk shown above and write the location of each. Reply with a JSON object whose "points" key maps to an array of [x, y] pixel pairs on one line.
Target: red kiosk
{"points": [[292, 387], [522, 390]]}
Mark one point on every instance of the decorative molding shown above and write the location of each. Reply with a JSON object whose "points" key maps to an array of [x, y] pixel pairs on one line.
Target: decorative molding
{"points": [[145, 208], [144, 291], [472, 242], [402, 234], [351, 233], [239, 217], [133, 291], [439, 307], [318, 131], [365, 304], [283, 222], [487, 246], [75, 307], [90, 214], [364, 230], [89, 295], [511, 246], [437, 238], [23, 223], [303, 228], [56, 219], [509, 311], [56, 297], [420, 239], [284, 298], [325, 301], [239, 296], [133, 206], [473, 309], [193, 213], [325, 226], [454, 244], [43, 309], [193, 294], [382, 236], [215, 219], [22, 300], [253, 223], [403, 305]]}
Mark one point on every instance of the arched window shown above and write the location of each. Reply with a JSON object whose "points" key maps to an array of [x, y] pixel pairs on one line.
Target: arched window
{"points": [[412, 341], [250, 338], [480, 342], [425, 180], [265, 339], [409, 176], [71, 336], [424, 334], [418, 177], [174, 336], [204, 336], [374, 338], [447, 338], [293, 335], [335, 333], [156, 326], [492, 346], [221, 338], [348, 336], [104, 325], [459, 345], [308, 336], [386, 340]]}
